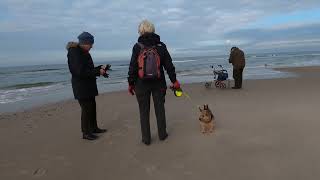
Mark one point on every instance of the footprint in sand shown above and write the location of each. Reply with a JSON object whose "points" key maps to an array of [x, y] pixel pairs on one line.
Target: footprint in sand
{"points": [[23, 172], [116, 115], [64, 160], [151, 169], [28, 132], [44, 156], [129, 125], [119, 133], [188, 173], [29, 125], [67, 164], [7, 164], [60, 158], [178, 166], [40, 172]]}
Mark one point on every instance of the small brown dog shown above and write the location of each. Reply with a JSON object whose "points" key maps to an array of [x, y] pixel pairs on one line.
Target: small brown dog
{"points": [[206, 120]]}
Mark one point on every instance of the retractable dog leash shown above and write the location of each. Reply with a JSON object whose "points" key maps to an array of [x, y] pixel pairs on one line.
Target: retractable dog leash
{"points": [[180, 93]]}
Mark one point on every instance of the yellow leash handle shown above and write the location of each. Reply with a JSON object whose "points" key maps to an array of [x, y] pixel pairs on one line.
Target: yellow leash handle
{"points": [[189, 98], [180, 93]]}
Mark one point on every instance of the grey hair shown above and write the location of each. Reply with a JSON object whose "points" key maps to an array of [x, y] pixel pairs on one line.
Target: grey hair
{"points": [[146, 27]]}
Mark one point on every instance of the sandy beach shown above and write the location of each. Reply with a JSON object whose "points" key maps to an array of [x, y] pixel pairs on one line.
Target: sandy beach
{"points": [[268, 130]]}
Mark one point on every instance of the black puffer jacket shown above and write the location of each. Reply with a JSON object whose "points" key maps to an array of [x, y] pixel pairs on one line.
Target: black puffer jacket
{"points": [[83, 72], [152, 39]]}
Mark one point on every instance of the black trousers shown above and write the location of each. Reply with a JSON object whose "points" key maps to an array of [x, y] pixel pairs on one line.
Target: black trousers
{"points": [[237, 76], [143, 94], [88, 115]]}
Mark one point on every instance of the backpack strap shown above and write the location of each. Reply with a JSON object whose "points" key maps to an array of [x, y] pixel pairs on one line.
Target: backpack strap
{"points": [[141, 45]]}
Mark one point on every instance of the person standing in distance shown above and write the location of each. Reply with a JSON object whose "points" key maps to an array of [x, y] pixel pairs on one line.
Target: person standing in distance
{"points": [[84, 83], [237, 59]]}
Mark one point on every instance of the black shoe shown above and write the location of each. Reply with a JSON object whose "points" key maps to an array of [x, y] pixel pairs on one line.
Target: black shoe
{"points": [[164, 137], [146, 142], [98, 130], [89, 137]]}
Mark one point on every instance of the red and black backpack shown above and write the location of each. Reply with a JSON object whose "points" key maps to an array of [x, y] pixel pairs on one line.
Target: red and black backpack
{"points": [[149, 63]]}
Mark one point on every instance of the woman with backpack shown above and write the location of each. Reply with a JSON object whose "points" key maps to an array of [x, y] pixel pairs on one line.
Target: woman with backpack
{"points": [[146, 76]]}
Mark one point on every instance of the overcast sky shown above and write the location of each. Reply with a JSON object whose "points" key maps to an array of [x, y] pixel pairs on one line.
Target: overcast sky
{"points": [[36, 31]]}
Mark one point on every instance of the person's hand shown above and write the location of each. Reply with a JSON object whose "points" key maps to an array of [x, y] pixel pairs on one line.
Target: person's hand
{"points": [[131, 90], [175, 85], [102, 72]]}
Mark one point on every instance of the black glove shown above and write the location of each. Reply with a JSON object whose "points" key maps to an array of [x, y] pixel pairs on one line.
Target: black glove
{"points": [[107, 68]]}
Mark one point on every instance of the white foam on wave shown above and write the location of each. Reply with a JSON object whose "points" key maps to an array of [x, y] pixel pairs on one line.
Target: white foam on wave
{"points": [[308, 63], [197, 72], [181, 61], [16, 95]]}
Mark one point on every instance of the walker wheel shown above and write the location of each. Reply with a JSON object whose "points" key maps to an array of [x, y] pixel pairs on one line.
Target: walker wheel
{"points": [[217, 84], [223, 85], [207, 85]]}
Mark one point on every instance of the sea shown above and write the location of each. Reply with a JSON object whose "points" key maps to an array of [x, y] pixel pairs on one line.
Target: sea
{"points": [[24, 87]]}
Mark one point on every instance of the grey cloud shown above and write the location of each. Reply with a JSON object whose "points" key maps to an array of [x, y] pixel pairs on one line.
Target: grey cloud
{"points": [[295, 33], [207, 25]]}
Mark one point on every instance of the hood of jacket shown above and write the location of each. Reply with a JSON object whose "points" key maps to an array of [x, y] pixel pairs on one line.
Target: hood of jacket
{"points": [[149, 39], [71, 45]]}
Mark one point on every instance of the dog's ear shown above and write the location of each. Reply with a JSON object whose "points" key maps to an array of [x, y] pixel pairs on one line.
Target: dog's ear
{"points": [[200, 109], [205, 107]]}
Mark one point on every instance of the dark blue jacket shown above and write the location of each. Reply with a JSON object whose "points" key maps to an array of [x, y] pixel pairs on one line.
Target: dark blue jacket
{"points": [[83, 72]]}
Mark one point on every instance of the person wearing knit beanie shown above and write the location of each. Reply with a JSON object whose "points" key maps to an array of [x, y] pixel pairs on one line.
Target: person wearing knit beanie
{"points": [[86, 38]]}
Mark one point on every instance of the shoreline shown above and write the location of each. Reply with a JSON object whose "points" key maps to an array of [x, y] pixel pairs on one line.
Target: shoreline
{"points": [[300, 72]]}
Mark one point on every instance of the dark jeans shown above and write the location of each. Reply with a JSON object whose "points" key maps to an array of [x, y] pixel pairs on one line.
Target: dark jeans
{"points": [[237, 76], [88, 115], [143, 93]]}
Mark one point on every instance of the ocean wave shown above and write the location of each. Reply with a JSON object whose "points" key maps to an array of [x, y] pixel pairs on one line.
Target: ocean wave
{"points": [[184, 71], [196, 73], [258, 66], [28, 71], [16, 95], [127, 64], [5, 100], [116, 82], [181, 61], [41, 70], [29, 85]]}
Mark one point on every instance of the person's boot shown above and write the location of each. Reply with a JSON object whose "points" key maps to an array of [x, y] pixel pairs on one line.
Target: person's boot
{"points": [[146, 142], [162, 138], [89, 137], [236, 84], [98, 130]]}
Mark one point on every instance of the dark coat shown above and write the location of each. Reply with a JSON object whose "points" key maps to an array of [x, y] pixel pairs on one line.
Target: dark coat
{"points": [[152, 39], [237, 59], [83, 72]]}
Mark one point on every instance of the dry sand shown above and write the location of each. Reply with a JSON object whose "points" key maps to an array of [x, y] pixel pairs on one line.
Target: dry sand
{"points": [[268, 130]]}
